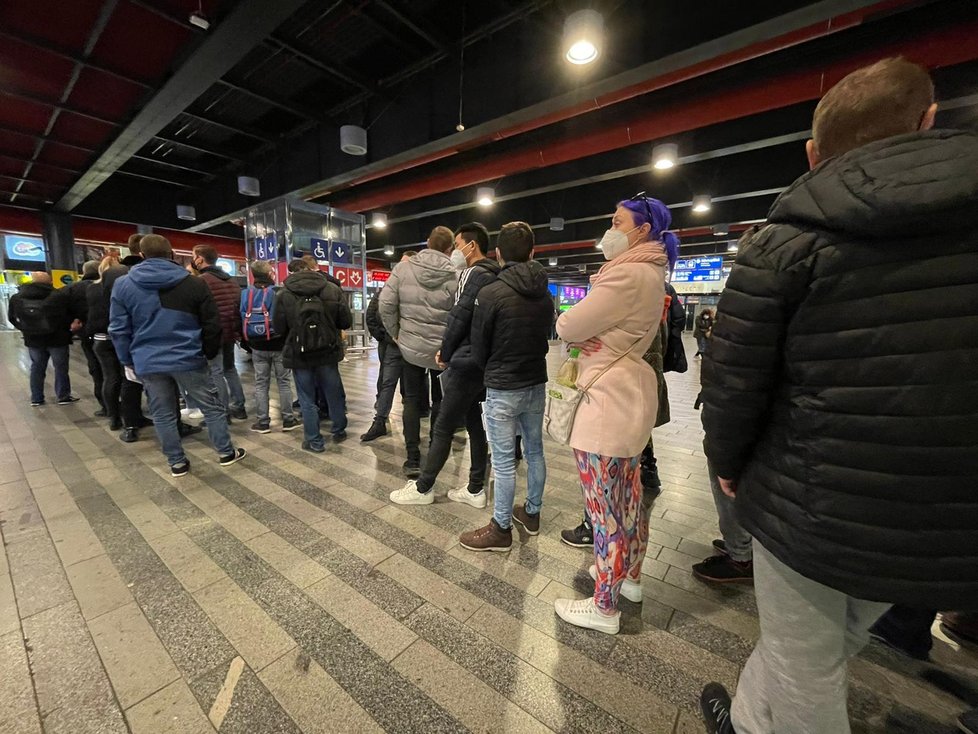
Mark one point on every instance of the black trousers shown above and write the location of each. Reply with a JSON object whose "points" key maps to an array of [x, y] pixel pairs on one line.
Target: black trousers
{"points": [[414, 381], [460, 405], [94, 367], [123, 399]]}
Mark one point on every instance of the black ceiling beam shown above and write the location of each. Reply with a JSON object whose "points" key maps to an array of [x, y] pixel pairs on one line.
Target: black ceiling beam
{"points": [[199, 148], [45, 138], [333, 69], [385, 30], [244, 27], [170, 164], [247, 132], [74, 58], [283, 104], [157, 179], [417, 26]]}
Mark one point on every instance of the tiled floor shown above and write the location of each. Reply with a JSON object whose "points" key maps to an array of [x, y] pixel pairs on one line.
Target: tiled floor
{"points": [[287, 594]]}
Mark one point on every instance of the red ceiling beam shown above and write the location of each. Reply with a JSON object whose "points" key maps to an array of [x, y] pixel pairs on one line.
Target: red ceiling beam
{"points": [[834, 25], [933, 48]]}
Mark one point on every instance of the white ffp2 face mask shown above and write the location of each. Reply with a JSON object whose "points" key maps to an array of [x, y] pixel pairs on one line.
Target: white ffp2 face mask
{"points": [[614, 243], [458, 260]]}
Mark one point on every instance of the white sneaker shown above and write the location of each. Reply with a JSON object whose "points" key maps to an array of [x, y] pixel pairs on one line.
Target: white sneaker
{"points": [[583, 613], [631, 590], [192, 415], [463, 495], [409, 495]]}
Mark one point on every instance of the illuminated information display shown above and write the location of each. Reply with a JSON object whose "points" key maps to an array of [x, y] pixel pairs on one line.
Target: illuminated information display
{"points": [[698, 270]]}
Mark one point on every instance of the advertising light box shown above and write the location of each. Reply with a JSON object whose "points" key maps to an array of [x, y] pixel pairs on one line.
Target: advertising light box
{"points": [[25, 249], [698, 270]]}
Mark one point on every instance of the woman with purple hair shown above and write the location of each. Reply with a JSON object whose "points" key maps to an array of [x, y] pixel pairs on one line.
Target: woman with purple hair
{"points": [[614, 326]]}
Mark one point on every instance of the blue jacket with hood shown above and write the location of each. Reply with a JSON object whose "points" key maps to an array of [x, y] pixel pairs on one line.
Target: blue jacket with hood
{"points": [[163, 320]]}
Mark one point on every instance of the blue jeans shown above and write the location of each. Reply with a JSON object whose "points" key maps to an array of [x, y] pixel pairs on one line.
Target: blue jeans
{"points": [[327, 378], [225, 376], [161, 389], [39, 369], [266, 363], [509, 412]]}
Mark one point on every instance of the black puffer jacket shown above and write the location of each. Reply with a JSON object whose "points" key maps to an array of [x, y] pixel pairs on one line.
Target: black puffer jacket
{"points": [[305, 284], [227, 295], [99, 296], [840, 386], [78, 296], [57, 310], [456, 348], [511, 327], [374, 323]]}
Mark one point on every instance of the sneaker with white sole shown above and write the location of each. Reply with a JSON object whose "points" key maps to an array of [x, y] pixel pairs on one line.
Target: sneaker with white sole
{"points": [[409, 495], [583, 613], [194, 414], [631, 590], [463, 495]]}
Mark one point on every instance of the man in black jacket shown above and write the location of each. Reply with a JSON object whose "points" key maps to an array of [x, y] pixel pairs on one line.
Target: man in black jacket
{"points": [[839, 396], [78, 294], [389, 373], [43, 315], [510, 341], [462, 381], [311, 312]]}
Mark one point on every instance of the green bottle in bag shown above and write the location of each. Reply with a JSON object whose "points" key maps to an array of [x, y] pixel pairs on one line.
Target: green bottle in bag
{"points": [[567, 375]]}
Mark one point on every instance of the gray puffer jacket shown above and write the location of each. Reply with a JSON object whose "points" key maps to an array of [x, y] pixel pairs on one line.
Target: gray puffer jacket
{"points": [[414, 305]]}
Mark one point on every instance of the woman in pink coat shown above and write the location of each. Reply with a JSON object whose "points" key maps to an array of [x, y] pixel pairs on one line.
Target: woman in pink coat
{"points": [[614, 326]]}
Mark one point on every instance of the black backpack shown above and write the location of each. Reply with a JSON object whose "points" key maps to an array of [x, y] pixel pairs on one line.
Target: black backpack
{"points": [[33, 317], [314, 331]]}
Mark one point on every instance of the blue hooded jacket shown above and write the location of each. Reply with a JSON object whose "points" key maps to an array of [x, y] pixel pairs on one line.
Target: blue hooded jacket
{"points": [[162, 320]]}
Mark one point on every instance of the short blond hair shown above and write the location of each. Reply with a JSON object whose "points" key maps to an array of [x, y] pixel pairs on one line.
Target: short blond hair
{"points": [[262, 268], [441, 239]]}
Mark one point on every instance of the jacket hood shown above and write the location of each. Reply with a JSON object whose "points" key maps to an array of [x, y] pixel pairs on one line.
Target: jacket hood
{"points": [[90, 276], [35, 291], [889, 189], [529, 279], [216, 272], [306, 283], [489, 265], [157, 274], [432, 269]]}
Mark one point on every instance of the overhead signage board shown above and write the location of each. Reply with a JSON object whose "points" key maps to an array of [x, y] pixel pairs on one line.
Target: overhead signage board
{"points": [[379, 276], [24, 249], [698, 270], [348, 277], [335, 251], [266, 248]]}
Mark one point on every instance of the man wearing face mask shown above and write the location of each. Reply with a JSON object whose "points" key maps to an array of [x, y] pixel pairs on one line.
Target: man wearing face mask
{"points": [[462, 382]]}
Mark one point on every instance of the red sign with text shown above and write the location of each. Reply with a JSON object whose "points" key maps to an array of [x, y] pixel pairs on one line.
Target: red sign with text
{"points": [[379, 276], [348, 277]]}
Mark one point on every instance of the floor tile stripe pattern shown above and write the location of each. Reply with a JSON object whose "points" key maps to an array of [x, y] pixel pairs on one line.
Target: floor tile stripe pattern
{"points": [[286, 594]]}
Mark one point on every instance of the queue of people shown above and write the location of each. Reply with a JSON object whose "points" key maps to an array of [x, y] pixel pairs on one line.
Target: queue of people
{"points": [[840, 424]]}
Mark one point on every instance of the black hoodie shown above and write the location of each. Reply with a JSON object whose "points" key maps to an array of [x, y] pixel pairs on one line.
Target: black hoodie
{"points": [[303, 285], [456, 349], [511, 327]]}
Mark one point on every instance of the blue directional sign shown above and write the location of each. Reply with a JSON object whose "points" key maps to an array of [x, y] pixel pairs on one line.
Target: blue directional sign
{"points": [[337, 252], [265, 247], [698, 270]]}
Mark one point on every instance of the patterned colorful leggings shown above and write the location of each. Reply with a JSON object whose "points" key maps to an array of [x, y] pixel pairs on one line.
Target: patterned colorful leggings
{"points": [[613, 498]]}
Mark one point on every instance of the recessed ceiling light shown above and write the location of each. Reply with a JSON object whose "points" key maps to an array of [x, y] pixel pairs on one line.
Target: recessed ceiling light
{"points": [[583, 33], [702, 203], [665, 156]]}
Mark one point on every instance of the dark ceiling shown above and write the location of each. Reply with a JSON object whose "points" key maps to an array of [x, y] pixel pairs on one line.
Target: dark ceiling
{"points": [[122, 109]]}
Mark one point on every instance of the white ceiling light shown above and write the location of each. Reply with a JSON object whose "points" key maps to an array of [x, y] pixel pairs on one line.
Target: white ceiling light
{"points": [[187, 213], [719, 230], [553, 262], [389, 250], [665, 156], [485, 196], [731, 247], [583, 32], [197, 18], [702, 203], [249, 186], [353, 140], [378, 220], [598, 245], [556, 224]]}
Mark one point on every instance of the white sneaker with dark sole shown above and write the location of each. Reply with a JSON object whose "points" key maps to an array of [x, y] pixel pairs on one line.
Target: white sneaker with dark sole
{"points": [[409, 495], [583, 613], [631, 590], [234, 458], [463, 495]]}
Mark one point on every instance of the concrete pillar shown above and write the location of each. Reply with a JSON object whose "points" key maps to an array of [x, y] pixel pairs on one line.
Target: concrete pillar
{"points": [[59, 240]]}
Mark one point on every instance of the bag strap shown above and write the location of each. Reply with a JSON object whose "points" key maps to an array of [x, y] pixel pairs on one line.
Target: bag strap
{"points": [[615, 361]]}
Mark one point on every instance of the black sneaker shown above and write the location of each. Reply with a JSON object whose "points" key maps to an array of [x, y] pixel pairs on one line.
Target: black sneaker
{"points": [[412, 468], [650, 478], [715, 705], [234, 458], [68, 400], [724, 570], [180, 470], [377, 429], [720, 546], [129, 435], [290, 424], [968, 722], [580, 537], [339, 437], [315, 448], [260, 427], [188, 429], [239, 414], [37, 403], [115, 424]]}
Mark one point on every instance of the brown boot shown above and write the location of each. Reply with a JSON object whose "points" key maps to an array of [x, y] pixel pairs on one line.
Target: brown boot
{"points": [[530, 523], [489, 538], [961, 627]]}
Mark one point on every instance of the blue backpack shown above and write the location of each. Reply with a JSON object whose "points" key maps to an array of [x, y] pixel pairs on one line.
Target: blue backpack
{"points": [[257, 309]]}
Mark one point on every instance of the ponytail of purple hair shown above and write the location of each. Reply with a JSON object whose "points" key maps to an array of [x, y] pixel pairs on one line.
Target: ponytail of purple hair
{"points": [[642, 207]]}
